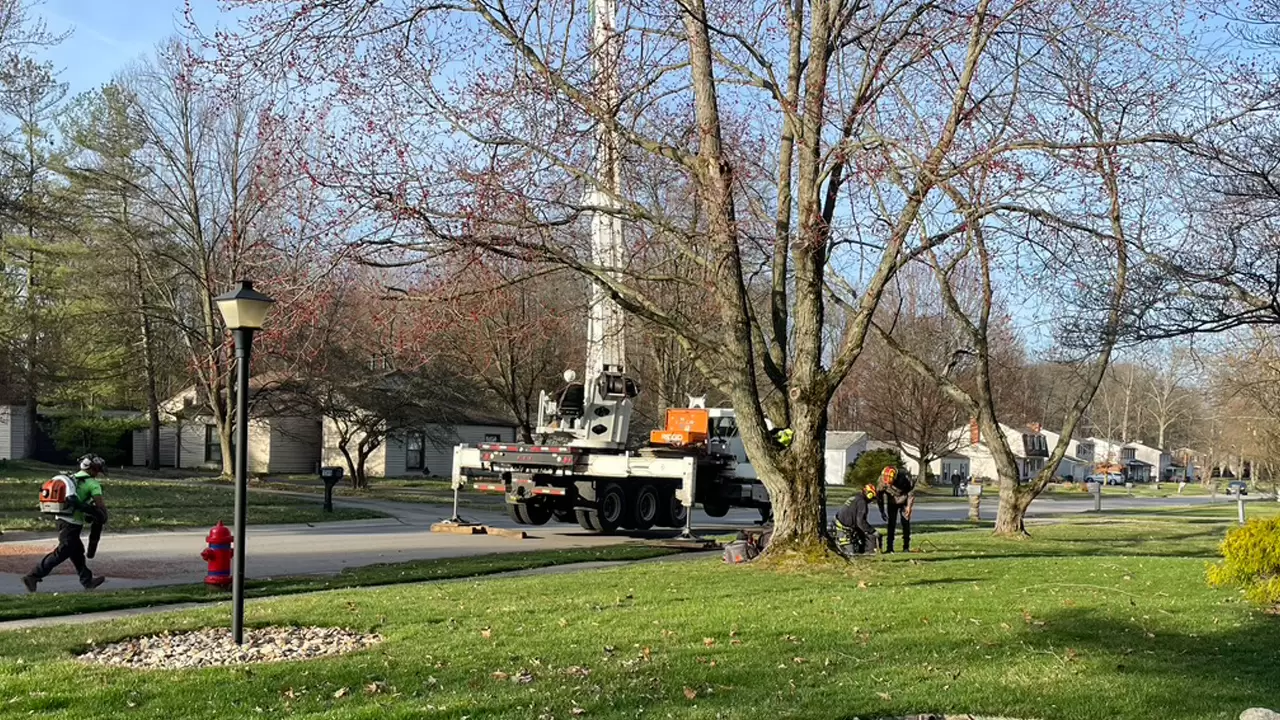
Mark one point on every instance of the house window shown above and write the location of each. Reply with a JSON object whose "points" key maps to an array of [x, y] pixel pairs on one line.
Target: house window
{"points": [[415, 451], [1085, 452], [492, 437], [212, 445], [1128, 454]]}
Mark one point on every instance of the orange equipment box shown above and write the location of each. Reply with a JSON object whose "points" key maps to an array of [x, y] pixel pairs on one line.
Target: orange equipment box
{"points": [[685, 426]]}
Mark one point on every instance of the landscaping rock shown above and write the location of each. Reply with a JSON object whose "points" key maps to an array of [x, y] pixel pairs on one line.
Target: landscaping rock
{"points": [[1259, 714], [213, 647]]}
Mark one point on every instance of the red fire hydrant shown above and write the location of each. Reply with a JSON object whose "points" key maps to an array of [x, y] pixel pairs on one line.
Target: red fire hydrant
{"points": [[218, 555]]}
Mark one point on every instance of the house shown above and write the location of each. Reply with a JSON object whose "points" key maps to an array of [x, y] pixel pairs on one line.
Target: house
{"points": [[281, 441], [426, 448], [13, 432], [841, 449], [1029, 446], [1139, 462], [1077, 463], [940, 469]]}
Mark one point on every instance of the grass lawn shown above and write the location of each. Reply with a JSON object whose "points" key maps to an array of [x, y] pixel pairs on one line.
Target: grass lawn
{"points": [[152, 504], [1224, 511], [1089, 619], [13, 607]]}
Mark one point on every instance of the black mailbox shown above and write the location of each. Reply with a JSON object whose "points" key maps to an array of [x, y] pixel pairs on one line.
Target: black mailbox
{"points": [[331, 476]]}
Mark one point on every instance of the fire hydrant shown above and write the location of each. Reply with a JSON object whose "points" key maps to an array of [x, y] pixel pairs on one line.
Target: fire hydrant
{"points": [[218, 555]]}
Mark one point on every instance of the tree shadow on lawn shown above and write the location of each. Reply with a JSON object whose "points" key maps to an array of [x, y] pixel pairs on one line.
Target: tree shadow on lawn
{"points": [[1222, 670]]}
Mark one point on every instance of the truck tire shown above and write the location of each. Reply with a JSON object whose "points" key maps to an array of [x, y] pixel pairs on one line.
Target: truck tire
{"points": [[611, 506], [588, 518], [529, 513], [675, 514], [643, 508], [715, 508]]}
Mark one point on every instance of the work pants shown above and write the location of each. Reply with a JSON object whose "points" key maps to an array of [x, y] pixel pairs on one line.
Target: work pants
{"points": [[70, 547], [897, 509]]}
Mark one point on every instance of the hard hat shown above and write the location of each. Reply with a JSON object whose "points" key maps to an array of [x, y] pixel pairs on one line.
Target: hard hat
{"points": [[869, 490], [888, 475], [93, 462]]}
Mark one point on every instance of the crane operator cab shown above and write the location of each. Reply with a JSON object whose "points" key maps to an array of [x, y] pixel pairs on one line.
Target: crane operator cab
{"points": [[596, 415]]}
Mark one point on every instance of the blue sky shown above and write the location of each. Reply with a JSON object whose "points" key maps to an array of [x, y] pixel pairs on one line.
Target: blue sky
{"points": [[107, 35]]}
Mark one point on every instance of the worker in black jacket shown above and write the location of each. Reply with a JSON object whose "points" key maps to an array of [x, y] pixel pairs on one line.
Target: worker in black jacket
{"points": [[854, 535], [896, 499]]}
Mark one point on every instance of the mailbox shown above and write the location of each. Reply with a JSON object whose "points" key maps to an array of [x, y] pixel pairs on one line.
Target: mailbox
{"points": [[331, 476]]}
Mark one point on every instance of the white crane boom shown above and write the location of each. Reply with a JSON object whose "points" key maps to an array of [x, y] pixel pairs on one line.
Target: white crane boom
{"points": [[597, 413]]}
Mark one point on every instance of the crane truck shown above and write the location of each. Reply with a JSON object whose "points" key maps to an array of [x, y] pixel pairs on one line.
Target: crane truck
{"points": [[582, 469]]}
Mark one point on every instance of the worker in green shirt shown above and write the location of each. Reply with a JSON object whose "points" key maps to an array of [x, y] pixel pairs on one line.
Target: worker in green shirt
{"points": [[89, 505]]}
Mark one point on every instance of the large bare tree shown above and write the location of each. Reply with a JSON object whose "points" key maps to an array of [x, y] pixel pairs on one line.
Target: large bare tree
{"points": [[821, 142]]}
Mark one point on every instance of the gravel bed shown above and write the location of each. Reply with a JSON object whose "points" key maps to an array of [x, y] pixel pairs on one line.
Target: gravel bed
{"points": [[213, 648]]}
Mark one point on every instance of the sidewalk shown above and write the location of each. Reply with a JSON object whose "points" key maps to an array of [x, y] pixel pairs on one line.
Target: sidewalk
{"points": [[173, 557]]}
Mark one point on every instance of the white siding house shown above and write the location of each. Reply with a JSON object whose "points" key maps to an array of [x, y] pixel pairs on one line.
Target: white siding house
{"points": [[414, 452], [1029, 447], [13, 432], [279, 443], [841, 449]]}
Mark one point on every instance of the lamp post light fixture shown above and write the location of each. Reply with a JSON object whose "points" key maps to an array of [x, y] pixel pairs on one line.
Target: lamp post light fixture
{"points": [[243, 310]]}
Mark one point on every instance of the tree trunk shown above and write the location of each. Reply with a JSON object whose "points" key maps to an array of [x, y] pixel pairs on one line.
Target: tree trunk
{"points": [[1014, 502], [343, 444], [149, 368]]}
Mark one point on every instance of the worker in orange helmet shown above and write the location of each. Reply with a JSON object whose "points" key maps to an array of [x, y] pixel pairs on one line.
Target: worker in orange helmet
{"points": [[898, 492]]}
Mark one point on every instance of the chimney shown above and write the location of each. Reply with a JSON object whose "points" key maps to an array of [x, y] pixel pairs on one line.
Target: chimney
{"points": [[975, 434], [1035, 427]]}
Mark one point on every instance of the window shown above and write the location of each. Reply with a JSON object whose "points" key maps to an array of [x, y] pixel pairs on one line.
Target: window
{"points": [[1085, 452], [212, 445], [415, 451], [492, 437], [1128, 454]]}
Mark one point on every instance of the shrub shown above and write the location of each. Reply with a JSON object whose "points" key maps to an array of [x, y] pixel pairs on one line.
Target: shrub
{"points": [[867, 468], [107, 437], [1251, 560]]}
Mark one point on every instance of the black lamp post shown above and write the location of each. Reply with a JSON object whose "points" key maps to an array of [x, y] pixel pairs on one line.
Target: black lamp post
{"points": [[243, 310]]}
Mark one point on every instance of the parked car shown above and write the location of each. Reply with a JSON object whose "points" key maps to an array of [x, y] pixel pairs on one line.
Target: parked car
{"points": [[1108, 479], [1237, 487]]}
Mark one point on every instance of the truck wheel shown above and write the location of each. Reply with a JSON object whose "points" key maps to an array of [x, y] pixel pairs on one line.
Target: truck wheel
{"points": [[536, 513], [529, 514], [643, 508], [611, 504], [513, 512], [715, 508], [588, 518], [678, 512]]}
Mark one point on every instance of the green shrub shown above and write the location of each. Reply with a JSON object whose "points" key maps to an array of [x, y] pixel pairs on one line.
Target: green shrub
{"points": [[867, 468], [1251, 559], [80, 434]]}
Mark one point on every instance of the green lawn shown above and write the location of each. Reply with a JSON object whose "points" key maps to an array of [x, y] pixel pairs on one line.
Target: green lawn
{"points": [[13, 607], [1090, 619], [1224, 511], [152, 504]]}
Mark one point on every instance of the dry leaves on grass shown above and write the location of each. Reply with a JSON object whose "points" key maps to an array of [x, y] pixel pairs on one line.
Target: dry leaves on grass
{"points": [[486, 633], [709, 642], [690, 693], [341, 693]]}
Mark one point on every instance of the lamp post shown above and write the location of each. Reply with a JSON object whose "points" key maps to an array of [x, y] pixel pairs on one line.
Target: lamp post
{"points": [[243, 311]]}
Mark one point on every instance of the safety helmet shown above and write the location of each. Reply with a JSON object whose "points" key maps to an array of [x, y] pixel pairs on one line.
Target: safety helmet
{"points": [[92, 462], [870, 491], [888, 475]]}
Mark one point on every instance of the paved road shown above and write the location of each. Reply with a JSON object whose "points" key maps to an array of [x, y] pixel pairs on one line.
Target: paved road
{"points": [[139, 559]]}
